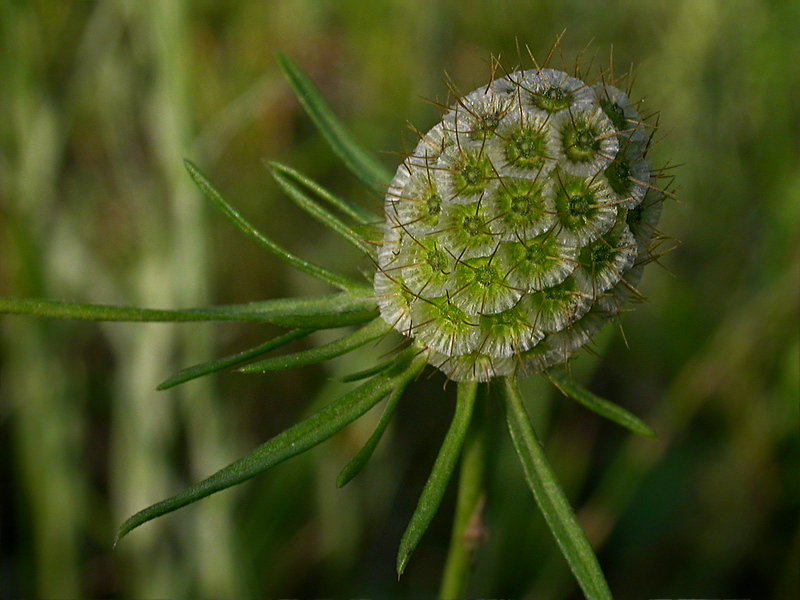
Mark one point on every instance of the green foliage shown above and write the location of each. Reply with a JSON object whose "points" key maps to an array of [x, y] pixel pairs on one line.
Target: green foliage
{"points": [[318, 313], [360, 162], [291, 442], [446, 460], [318, 212], [550, 498], [245, 227], [602, 407], [219, 364], [375, 330], [359, 461]]}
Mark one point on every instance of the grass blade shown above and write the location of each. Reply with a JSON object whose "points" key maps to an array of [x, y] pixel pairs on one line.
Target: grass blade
{"points": [[359, 461], [339, 310], [551, 499], [362, 164], [219, 364], [358, 214], [343, 345], [321, 273], [291, 442], [601, 406], [440, 475], [320, 213]]}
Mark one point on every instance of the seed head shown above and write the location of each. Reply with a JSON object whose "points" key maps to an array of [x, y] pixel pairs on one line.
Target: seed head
{"points": [[519, 225]]}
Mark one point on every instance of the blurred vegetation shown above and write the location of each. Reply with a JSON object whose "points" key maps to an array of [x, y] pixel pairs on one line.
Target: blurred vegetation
{"points": [[100, 101]]}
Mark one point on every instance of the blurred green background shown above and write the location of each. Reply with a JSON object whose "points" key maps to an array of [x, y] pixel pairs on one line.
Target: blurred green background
{"points": [[99, 103]]}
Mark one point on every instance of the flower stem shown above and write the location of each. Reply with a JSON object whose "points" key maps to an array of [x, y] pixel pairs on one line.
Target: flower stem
{"points": [[466, 534]]}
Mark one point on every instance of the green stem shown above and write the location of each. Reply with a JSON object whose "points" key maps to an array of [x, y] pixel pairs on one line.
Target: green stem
{"points": [[463, 541]]}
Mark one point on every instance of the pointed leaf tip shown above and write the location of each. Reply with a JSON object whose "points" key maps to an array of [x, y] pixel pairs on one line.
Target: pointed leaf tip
{"points": [[443, 467], [219, 364], [361, 163], [295, 440], [243, 225], [605, 408], [359, 461]]}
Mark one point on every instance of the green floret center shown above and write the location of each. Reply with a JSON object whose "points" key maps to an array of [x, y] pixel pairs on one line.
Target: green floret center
{"points": [[434, 204], [526, 149], [521, 205], [634, 216], [485, 276], [581, 142], [601, 253], [490, 122], [536, 254], [618, 174], [576, 204], [473, 175], [451, 313], [485, 125], [472, 225], [614, 112], [579, 205], [436, 260], [553, 99]]}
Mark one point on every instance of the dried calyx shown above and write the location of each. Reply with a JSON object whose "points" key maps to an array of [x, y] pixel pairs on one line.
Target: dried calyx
{"points": [[519, 225]]}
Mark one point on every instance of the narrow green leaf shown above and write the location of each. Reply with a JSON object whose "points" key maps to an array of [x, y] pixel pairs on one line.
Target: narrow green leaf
{"points": [[440, 475], [339, 310], [362, 164], [469, 501], [322, 312], [358, 214], [56, 309], [219, 364], [334, 279], [291, 442], [343, 345], [320, 213], [359, 461], [359, 375], [551, 499], [601, 406]]}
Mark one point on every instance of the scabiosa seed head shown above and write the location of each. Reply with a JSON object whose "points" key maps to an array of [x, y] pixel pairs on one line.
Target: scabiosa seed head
{"points": [[519, 225]]}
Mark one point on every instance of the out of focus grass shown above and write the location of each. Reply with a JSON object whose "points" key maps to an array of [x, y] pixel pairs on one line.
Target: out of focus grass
{"points": [[99, 101]]}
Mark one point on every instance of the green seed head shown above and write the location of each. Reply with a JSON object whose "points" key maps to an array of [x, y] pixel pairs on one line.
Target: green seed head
{"points": [[518, 226]]}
